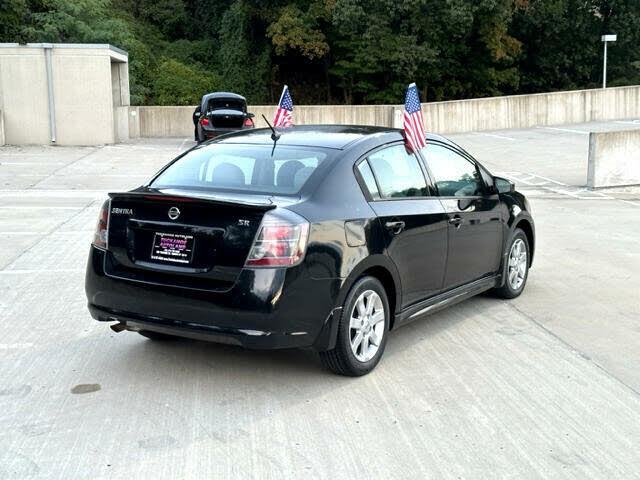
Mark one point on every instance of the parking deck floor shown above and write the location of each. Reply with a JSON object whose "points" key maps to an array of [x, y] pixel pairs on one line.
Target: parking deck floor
{"points": [[544, 386]]}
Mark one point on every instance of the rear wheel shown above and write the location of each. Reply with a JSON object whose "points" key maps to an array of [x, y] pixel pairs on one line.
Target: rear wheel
{"points": [[362, 332], [517, 269], [161, 337]]}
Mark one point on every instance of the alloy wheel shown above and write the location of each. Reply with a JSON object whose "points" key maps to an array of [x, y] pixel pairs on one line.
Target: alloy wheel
{"points": [[517, 264], [366, 325]]}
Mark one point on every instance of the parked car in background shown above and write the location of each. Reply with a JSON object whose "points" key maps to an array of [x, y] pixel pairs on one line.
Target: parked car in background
{"points": [[220, 113], [327, 238]]}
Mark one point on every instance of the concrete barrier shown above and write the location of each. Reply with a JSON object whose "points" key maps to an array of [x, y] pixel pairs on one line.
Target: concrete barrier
{"points": [[495, 113], [614, 159], [1, 129], [524, 111]]}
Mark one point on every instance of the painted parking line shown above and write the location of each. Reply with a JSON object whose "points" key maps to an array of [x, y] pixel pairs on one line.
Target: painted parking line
{"points": [[566, 130], [68, 232], [495, 135], [40, 270], [181, 147], [40, 207], [47, 193], [549, 185], [628, 122], [30, 164], [71, 174]]}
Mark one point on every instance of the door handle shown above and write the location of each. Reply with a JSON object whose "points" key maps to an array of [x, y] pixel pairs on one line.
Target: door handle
{"points": [[455, 221], [395, 227]]}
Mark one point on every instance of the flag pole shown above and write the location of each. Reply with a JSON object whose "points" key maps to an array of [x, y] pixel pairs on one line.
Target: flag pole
{"points": [[284, 89]]}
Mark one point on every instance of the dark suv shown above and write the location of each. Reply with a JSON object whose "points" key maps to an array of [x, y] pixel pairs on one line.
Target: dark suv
{"points": [[220, 113], [326, 237]]}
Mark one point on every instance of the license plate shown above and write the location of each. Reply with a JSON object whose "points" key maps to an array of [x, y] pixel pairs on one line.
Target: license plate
{"points": [[172, 248]]}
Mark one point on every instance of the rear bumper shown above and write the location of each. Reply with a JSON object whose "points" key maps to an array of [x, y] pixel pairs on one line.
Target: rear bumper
{"points": [[265, 308], [209, 132]]}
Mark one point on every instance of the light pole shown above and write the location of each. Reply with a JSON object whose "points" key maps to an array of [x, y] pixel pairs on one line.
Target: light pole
{"points": [[606, 39]]}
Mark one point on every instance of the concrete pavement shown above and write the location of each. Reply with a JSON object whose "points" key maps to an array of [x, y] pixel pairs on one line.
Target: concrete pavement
{"points": [[544, 386]]}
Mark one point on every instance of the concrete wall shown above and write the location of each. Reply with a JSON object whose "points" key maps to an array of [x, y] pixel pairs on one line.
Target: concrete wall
{"points": [[519, 111], [23, 96], [614, 159], [90, 88], [523, 111], [164, 121], [120, 97], [1, 129]]}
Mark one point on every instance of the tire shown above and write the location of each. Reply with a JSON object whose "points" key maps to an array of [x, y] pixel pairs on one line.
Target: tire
{"points": [[343, 360], [156, 336], [517, 270]]}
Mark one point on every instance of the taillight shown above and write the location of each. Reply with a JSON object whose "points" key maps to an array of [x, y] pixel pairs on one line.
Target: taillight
{"points": [[101, 233], [204, 121], [281, 240], [248, 122]]}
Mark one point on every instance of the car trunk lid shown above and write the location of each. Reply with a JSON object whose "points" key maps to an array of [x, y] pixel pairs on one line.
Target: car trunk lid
{"points": [[226, 118], [179, 238]]}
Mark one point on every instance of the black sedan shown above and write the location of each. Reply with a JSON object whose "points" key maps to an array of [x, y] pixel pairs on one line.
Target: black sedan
{"points": [[326, 237], [220, 113]]}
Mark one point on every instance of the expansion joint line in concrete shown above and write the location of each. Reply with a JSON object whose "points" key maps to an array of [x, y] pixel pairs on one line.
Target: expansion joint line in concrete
{"points": [[566, 344]]}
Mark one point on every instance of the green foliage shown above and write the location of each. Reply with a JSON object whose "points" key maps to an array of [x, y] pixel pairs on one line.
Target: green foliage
{"points": [[12, 13], [351, 51], [180, 84], [298, 31]]}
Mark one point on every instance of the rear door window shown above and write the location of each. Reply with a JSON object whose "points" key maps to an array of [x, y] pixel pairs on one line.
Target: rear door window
{"points": [[369, 180], [398, 173]]}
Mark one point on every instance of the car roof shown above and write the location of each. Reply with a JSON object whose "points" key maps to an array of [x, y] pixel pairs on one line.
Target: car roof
{"points": [[229, 95], [328, 136]]}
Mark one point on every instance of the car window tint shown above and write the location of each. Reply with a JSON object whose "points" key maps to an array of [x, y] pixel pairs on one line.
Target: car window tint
{"points": [[454, 175], [369, 180], [225, 104], [398, 173], [250, 168]]}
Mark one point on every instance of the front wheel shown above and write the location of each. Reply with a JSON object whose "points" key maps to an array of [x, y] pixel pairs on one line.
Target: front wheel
{"points": [[517, 269], [362, 332]]}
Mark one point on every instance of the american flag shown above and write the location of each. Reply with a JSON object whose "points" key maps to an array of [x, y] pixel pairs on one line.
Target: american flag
{"points": [[413, 120], [284, 112]]}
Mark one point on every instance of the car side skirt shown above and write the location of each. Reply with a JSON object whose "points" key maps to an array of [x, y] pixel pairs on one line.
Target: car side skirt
{"points": [[446, 299]]}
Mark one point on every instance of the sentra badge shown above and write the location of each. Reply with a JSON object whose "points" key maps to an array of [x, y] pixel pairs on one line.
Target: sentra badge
{"points": [[122, 211]]}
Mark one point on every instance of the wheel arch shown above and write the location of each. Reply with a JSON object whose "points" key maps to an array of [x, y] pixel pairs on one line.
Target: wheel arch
{"points": [[527, 227], [381, 268], [378, 266]]}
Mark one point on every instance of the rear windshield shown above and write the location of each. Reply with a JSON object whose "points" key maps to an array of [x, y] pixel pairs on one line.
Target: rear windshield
{"points": [[225, 104], [250, 168]]}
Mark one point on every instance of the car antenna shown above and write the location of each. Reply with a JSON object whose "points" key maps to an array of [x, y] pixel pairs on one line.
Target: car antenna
{"points": [[275, 136]]}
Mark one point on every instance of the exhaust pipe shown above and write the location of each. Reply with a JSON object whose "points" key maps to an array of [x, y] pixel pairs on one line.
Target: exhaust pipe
{"points": [[118, 327]]}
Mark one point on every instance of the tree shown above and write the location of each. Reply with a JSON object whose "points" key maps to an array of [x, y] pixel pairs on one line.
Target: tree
{"points": [[350, 51], [244, 58], [180, 84], [12, 13]]}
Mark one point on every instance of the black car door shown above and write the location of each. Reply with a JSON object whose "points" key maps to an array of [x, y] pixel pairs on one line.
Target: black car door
{"points": [[413, 221], [474, 215]]}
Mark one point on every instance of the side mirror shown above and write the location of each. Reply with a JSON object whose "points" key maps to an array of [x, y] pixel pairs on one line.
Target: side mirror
{"points": [[502, 185], [249, 115]]}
